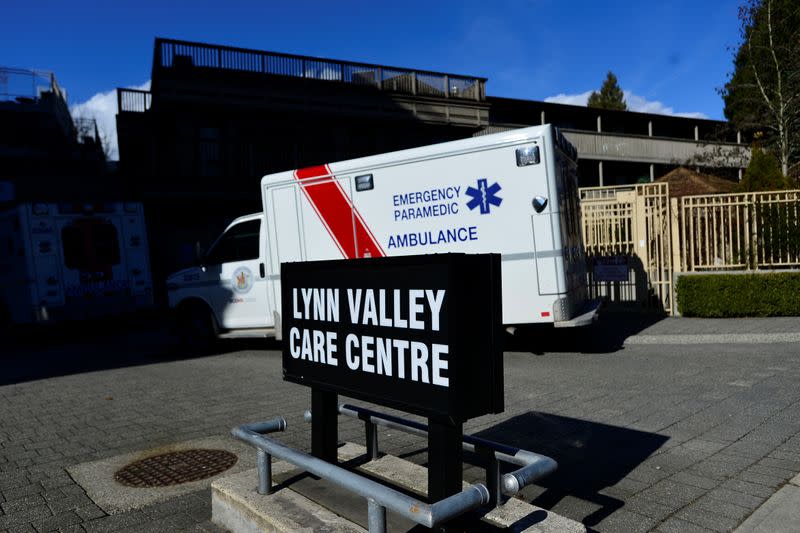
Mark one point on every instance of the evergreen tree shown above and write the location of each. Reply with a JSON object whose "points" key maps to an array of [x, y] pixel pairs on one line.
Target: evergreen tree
{"points": [[763, 173], [610, 95], [763, 92]]}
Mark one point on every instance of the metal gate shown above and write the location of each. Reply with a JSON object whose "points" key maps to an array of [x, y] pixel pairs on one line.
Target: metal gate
{"points": [[633, 221]]}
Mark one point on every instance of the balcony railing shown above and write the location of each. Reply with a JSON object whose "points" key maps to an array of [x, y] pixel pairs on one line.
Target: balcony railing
{"points": [[133, 100], [171, 54], [18, 84]]}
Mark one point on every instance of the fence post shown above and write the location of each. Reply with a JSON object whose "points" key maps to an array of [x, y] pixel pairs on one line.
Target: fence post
{"points": [[640, 247], [754, 227], [675, 238]]}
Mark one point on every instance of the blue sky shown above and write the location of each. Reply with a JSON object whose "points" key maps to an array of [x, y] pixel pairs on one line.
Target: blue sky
{"points": [[669, 56]]}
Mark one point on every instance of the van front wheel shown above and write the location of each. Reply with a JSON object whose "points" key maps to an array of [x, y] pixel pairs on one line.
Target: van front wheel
{"points": [[196, 329]]}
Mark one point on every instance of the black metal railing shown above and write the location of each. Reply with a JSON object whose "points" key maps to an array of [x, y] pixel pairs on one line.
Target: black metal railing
{"points": [[18, 84], [172, 54], [133, 100]]}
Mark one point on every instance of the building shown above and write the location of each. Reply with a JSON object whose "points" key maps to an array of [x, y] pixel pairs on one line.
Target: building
{"points": [[217, 118], [623, 147], [45, 154]]}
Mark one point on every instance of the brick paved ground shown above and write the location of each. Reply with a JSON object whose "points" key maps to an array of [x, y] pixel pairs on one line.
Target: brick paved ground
{"points": [[673, 438]]}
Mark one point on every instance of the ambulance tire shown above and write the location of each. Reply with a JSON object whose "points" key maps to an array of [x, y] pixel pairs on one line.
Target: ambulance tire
{"points": [[196, 328]]}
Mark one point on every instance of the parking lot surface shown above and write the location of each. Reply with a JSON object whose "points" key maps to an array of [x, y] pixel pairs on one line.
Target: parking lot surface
{"points": [[648, 437]]}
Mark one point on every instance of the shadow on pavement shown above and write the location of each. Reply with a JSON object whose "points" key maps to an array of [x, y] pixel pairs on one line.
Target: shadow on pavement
{"points": [[591, 456], [606, 335], [59, 350]]}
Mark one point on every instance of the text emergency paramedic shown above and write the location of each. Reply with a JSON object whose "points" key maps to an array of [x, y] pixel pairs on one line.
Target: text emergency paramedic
{"points": [[388, 356]]}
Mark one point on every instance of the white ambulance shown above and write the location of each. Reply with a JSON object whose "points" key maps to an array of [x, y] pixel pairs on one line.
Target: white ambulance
{"points": [[73, 261], [513, 193]]}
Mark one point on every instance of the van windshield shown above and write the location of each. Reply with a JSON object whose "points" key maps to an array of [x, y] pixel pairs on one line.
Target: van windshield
{"points": [[239, 243]]}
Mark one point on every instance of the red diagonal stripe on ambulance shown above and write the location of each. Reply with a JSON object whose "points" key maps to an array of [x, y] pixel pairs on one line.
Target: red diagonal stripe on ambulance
{"points": [[337, 213]]}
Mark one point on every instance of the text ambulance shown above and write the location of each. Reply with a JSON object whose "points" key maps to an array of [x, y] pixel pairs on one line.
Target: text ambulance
{"points": [[513, 193]]}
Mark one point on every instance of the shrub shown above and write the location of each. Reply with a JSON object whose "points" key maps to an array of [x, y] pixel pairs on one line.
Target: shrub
{"points": [[763, 173], [735, 295]]}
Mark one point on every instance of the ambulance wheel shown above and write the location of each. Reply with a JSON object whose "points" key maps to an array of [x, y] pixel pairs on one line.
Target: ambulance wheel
{"points": [[196, 329]]}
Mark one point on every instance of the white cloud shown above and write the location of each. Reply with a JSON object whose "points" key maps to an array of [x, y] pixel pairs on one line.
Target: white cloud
{"points": [[634, 101], [103, 108], [569, 99]]}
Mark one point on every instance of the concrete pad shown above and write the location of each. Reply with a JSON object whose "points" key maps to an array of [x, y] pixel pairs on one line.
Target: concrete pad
{"points": [[238, 507], [97, 477], [516, 514], [779, 514]]}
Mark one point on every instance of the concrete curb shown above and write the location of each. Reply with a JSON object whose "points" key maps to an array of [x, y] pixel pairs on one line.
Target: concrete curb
{"points": [[779, 514], [715, 338]]}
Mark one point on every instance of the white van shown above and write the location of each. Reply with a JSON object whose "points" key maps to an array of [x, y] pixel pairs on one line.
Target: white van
{"points": [[73, 261], [513, 193]]}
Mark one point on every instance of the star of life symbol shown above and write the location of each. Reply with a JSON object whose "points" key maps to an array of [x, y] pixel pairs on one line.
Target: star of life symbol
{"points": [[484, 196]]}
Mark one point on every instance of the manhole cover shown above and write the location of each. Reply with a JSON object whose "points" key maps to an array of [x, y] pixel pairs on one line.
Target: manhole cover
{"points": [[175, 467]]}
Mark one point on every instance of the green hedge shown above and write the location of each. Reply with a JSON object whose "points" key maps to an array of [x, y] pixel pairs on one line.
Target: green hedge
{"points": [[731, 295]]}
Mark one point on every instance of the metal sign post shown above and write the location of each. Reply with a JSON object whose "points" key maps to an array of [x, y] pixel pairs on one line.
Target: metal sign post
{"points": [[445, 468], [325, 427]]}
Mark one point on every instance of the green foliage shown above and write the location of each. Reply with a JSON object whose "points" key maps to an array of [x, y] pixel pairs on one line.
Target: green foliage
{"points": [[736, 295], [610, 95], [779, 231], [763, 173], [762, 94]]}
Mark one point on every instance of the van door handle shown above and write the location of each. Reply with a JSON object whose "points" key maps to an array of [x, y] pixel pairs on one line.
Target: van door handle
{"points": [[261, 270]]}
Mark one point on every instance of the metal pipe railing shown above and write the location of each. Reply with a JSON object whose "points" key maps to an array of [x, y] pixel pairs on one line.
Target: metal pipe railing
{"points": [[379, 497], [534, 465]]}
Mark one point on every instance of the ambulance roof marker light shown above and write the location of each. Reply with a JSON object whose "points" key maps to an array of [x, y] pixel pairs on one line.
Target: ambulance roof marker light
{"points": [[364, 183], [528, 155]]}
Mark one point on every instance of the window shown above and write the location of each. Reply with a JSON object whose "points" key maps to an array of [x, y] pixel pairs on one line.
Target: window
{"points": [[209, 152], [90, 246], [239, 243]]}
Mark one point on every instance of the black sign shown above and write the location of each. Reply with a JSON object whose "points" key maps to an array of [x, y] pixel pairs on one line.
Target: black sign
{"points": [[610, 268], [417, 333]]}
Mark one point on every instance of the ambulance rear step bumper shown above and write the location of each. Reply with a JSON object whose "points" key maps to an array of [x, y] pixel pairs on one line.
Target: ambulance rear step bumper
{"points": [[249, 333], [585, 316]]}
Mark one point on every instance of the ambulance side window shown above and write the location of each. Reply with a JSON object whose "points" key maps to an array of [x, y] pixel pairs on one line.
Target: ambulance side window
{"points": [[239, 243]]}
